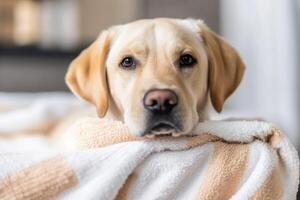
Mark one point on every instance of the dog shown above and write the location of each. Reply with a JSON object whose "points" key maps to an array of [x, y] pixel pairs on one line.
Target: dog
{"points": [[158, 76]]}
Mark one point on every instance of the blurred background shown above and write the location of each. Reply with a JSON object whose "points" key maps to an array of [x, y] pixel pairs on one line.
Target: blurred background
{"points": [[39, 38]]}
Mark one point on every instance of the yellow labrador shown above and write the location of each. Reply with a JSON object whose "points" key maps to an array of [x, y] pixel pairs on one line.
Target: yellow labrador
{"points": [[157, 75]]}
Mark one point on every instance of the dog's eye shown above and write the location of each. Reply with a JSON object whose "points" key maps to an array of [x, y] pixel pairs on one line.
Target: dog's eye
{"points": [[128, 63], [186, 60]]}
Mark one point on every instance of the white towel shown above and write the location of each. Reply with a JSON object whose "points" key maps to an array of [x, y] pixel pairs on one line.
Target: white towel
{"points": [[219, 160]]}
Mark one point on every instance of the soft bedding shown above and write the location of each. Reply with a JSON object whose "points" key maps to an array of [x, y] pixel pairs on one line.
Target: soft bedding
{"points": [[100, 159]]}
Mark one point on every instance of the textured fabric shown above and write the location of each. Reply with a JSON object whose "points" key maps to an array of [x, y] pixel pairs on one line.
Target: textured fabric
{"points": [[219, 160], [100, 159]]}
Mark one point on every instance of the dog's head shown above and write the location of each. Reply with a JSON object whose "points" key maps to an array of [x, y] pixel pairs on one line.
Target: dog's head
{"points": [[157, 75]]}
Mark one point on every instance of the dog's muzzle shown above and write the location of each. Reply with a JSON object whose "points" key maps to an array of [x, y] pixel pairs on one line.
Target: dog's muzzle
{"points": [[161, 104]]}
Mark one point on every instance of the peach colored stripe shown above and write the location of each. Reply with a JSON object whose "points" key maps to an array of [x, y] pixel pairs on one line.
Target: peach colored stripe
{"points": [[271, 188], [194, 141], [45, 180], [5, 108], [225, 171], [42, 128], [101, 133], [99, 139]]}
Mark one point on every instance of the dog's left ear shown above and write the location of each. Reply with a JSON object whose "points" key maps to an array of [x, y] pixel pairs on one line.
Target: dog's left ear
{"points": [[226, 67], [86, 76]]}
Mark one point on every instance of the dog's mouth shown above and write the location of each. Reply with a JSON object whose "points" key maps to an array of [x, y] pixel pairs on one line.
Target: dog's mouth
{"points": [[164, 128]]}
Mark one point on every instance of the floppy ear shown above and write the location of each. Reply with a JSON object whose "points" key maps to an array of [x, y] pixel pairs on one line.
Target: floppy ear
{"points": [[86, 76], [226, 68]]}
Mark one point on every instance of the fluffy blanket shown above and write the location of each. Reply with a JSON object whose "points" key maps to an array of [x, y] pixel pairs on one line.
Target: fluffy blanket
{"points": [[218, 160]]}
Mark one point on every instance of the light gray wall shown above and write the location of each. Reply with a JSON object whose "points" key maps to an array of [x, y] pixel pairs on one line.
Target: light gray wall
{"points": [[32, 74], [208, 10]]}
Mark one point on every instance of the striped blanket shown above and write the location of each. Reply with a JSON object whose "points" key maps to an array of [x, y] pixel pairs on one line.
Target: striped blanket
{"points": [[100, 159]]}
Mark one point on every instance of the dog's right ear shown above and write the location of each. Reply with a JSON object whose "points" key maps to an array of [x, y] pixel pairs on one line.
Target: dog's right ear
{"points": [[86, 76]]}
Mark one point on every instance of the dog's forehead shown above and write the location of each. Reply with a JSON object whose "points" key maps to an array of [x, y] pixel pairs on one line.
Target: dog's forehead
{"points": [[159, 31]]}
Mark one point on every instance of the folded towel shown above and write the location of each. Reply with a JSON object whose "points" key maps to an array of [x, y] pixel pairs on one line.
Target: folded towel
{"points": [[218, 160], [34, 112]]}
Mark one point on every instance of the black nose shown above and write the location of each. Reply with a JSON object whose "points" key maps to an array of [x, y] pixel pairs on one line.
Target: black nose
{"points": [[160, 101]]}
